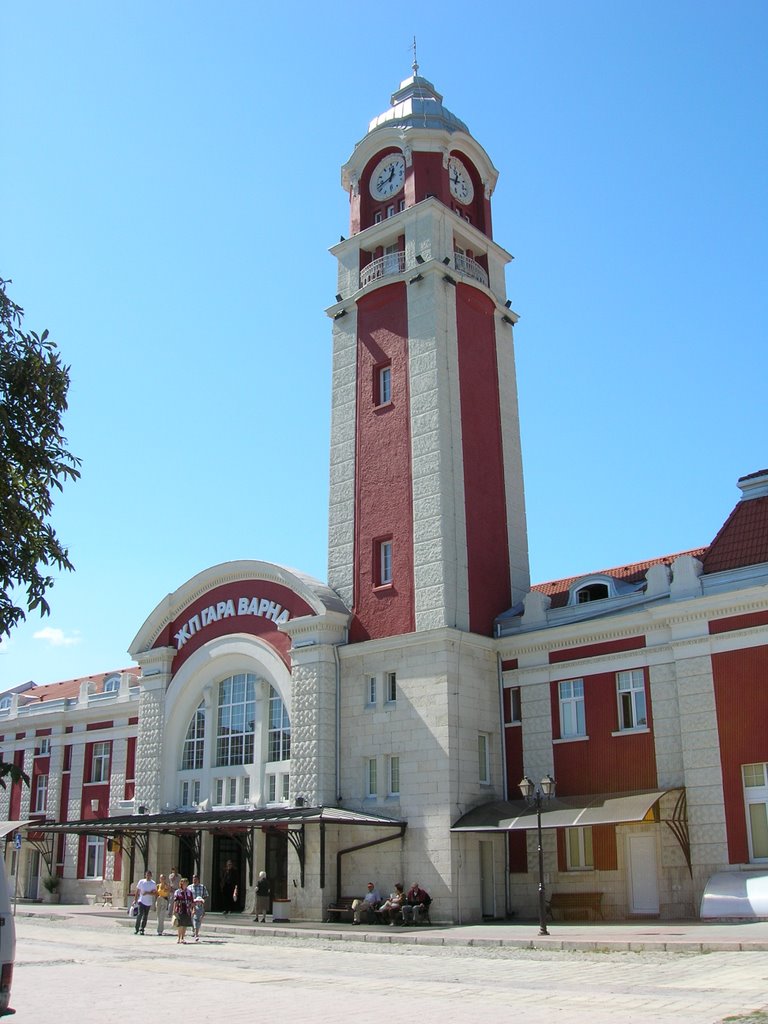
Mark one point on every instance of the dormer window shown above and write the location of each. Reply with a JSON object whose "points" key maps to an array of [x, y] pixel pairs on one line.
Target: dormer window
{"points": [[593, 592]]}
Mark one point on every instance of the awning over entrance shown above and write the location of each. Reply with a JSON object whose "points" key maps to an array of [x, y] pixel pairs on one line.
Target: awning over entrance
{"points": [[132, 831], [562, 812], [6, 827], [213, 821]]}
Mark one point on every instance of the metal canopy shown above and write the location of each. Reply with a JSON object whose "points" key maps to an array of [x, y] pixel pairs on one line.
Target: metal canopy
{"points": [[214, 821], [561, 812]]}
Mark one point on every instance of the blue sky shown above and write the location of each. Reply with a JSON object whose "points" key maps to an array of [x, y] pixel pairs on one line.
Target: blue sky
{"points": [[170, 189]]}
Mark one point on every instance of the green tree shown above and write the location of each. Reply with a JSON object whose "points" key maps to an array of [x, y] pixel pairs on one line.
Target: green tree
{"points": [[34, 462]]}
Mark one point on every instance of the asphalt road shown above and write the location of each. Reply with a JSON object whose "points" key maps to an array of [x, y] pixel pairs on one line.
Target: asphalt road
{"points": [[89, 972]]}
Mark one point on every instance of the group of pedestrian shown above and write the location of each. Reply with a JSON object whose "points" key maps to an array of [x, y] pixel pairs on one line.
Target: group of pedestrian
{"points": [[187, 903]]}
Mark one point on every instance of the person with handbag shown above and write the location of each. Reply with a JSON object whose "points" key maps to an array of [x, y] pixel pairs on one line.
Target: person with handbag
{"points": [[183, 908]]}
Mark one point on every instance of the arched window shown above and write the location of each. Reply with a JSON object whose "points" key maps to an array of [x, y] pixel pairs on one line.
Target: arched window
{"points": [[236, 720], [279, 729], [111, 683], [192, 754], [592, 592]]}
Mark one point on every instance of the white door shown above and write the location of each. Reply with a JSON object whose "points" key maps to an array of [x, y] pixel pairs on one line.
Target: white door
{"points": [[643, 875], [487, 885]]}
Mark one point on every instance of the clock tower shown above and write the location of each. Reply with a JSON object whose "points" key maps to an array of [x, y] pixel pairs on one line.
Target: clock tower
{"points": [[427, 515]]}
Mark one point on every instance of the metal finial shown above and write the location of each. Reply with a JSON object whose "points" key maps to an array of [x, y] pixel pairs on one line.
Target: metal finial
{"points": [[415, 64]]}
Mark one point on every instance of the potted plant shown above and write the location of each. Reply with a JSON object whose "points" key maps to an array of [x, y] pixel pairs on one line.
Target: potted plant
{"points": [[51, 886]]}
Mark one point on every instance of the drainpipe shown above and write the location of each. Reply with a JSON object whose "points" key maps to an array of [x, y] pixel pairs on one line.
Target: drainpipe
{"points": [[505, 780], [363, 846], [338, 723]]}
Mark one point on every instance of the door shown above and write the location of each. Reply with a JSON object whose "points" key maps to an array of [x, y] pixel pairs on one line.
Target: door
{"points": [[487, 880], [33, 875], [226, 849], [643, 875], [276, 864]]}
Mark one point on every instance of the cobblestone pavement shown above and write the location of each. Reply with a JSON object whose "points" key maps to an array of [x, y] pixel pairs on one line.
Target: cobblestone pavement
{"points": [[82, 968]]}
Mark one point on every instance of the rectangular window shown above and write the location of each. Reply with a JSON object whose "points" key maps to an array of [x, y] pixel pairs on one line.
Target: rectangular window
{"points": [[286, 786], [401, 206], [100, 762], [195, 792], [484, 758], [246, 790], [185, 794], [371, 778], [94, 856], [45, 746], [390, 211], [756, 802], [271, 788], [392, 255], [279, 729], [391, 687], [393, 776], [385, 563], [630, 693], [219, 794], [515, 706], [578, 846], [232, 795], [377, 218], [41, 794], [384, 386], [370, 690], [572, 719]]}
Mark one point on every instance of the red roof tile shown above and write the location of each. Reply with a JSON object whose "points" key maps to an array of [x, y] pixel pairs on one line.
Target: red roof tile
{"points": [[743, 538], [70, 687]]}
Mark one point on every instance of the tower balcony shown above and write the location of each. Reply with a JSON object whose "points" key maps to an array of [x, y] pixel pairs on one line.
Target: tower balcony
{"points": [[394, 263]]}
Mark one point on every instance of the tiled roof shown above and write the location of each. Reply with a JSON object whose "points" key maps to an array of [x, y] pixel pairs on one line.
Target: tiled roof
{"points": [[743, 538], [557, 590], [71, 687]]}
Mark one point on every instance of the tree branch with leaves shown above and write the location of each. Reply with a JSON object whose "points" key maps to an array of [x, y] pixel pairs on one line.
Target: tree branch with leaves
{"points": [[34, 464]]}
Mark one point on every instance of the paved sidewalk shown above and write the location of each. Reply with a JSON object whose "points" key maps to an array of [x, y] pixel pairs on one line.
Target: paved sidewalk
{"points": [[633, 936]]}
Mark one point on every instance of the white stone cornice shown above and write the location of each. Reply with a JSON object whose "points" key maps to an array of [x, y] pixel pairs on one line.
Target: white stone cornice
{"points": [[421, 639]]}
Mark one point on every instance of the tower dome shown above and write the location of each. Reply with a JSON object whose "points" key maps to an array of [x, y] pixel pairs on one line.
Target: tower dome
{"points": [[417, 104]]}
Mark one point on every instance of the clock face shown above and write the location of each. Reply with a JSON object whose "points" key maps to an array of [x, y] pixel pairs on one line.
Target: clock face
{"points": [[388, 176], [461, 183]]}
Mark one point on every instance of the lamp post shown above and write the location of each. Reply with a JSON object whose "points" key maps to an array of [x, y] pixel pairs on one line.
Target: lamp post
{"points": [[534, 796]]}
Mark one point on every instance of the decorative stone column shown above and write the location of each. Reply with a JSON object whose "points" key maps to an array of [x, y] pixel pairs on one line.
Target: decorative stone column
{"points": [[314, 706], [154, 680]]}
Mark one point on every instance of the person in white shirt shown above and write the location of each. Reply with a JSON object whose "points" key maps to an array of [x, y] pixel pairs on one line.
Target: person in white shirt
{"points": [[366, 905], [144, 896]]}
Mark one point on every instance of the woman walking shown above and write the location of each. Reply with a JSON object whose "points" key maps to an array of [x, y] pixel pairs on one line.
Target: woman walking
{"points": [[183, 908]]}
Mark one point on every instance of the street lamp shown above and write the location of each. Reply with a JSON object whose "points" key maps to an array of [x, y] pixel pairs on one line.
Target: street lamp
{"points": [[534, 796]]}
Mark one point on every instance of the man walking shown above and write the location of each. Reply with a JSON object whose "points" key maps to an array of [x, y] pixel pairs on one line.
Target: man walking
{"points": [[145, 891]]}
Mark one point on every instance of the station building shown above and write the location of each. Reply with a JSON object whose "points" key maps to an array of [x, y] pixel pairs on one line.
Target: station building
{"points": [[378, 726]]}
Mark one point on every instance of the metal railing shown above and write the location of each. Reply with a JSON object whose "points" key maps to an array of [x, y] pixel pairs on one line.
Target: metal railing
{"points": [[389, 263], [470, 268]]}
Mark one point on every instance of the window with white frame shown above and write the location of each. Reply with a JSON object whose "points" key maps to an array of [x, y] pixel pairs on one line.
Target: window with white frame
{"points": [[279, 728], [286, 780], [41, 794], [271, 789], [246, 790], [755, 777], [370, 690], [100, 762], [190, 793], [235, 729], [45, 746], [484, 758], [384, 386], [218, 791], [94, 856], [391, 683], [578, 849], [515, 705], [371, 778], [111, 684], [630, 693], [385, 563], [393, 775], [194, 742], [572, 718]]}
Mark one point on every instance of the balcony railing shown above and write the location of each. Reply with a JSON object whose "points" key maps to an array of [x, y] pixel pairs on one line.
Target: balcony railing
{"points": [[394, 263], [470, 268], [390, 263]]}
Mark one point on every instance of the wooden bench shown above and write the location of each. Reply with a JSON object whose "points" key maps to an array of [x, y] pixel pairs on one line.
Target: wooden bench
{"points": [[577, 903], [340, 909]]}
